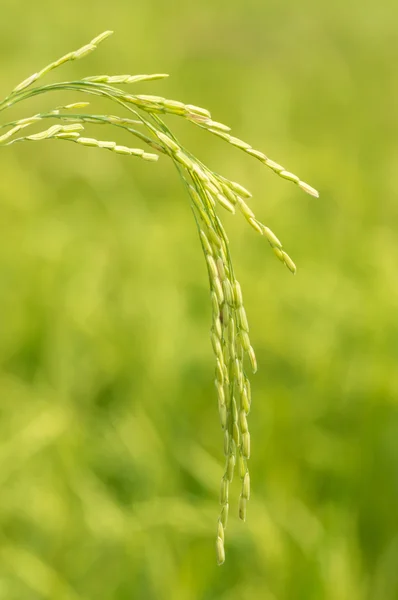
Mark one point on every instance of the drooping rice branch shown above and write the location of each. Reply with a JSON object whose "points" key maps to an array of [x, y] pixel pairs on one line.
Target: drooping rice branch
{"points": [[208, 191]]}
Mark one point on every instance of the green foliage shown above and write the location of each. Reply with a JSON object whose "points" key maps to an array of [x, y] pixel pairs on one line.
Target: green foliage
{"points": [[110, 451]]}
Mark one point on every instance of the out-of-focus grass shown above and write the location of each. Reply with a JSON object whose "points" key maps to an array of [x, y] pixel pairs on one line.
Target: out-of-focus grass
{"points": [[110, 452]]}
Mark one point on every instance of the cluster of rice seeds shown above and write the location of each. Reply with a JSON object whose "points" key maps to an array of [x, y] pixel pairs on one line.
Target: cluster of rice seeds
{"points": [[71, 133], [230, 341], [202, 117], [222, 130], [208, 191], [112, 79], [80, 53], [113, 147], [55, 131], [157, 104], [230, 329], [234, 192], [225, 193], [61, 113]]}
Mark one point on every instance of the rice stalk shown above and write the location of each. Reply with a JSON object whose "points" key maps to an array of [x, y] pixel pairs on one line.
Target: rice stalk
{"points": [[208, 191]]}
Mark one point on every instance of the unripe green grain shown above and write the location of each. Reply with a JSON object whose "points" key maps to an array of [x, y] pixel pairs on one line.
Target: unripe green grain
{"points": [[242, 508], [242, 318], [224, 515], [221, 269], [246, 486], [242, 467], [230, 467], [225, 203], [220, 392], [206, 244], [243, 421], [235, 434], [214, 238], [219, 371], [246, 444], [226, 312], [218, 290], [244, 340], [215, 340], [245, 401], [234, 409], [228, 293], [226, 442], [220, 530], [257, 226], [239, 189], [220, 552], [271, 237], [253, 360], [223, 414], [237, 294], [217, 327], [231, 332]]}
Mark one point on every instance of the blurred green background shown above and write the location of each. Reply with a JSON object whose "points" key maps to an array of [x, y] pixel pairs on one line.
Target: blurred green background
{"points": [[111, 449]]}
